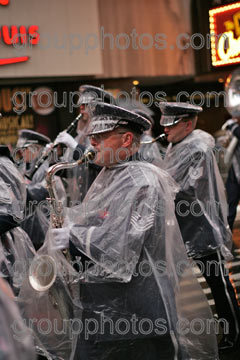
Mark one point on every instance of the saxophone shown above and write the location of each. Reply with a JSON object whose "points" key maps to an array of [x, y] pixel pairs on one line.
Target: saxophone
{"points": [[54, 291], [46, 264]]}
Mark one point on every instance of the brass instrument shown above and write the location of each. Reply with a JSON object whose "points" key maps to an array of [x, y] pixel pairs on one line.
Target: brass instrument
{"points": [[45, 264], [53, 285], [161, 137]]}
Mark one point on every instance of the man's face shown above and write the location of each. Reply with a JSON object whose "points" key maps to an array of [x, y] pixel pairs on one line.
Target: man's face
{"points": [[85, 117], [176, 133], [109, 147], [30, 153]]}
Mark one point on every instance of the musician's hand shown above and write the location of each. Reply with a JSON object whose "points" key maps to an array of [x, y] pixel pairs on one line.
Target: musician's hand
{"points": [[59, 238], [67, 139]]}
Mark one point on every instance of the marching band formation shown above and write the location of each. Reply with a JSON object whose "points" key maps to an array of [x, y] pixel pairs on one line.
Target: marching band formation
{"points": [[101, 233]]}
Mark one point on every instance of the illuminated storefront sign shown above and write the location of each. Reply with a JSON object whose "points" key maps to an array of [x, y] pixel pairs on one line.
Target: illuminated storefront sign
{"points": [[13, 60], [17, 36], [4, 2], [11, 121], [225, 34]]}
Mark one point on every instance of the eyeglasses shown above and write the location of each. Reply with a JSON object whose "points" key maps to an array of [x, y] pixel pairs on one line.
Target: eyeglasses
{"points": [[103, 136], [173, 125]]}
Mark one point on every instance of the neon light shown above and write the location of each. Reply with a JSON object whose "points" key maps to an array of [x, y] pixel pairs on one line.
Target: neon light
{"points": [[34, 35], [4, 2], [23, 34], [12, 35], [14, 60], [234, 46], [224, 8], [7, 38], [224, 24]]}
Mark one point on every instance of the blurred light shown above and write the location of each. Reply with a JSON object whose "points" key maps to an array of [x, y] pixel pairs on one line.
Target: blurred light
{"points": [[135, 82], [221, 80], [214, 20], [224, 8]]}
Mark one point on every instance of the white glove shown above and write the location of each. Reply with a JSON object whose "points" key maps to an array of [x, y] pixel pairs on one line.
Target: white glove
{"points": [[59, 238], [228, 122], [66, 139]]}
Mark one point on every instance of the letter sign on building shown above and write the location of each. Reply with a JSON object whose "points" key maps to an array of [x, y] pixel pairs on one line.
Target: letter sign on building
{"points": [[225, 34], [13, 35]]}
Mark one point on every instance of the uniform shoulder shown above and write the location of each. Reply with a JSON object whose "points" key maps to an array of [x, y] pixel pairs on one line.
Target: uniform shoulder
{"points": [[198, 141], [142, 173]]}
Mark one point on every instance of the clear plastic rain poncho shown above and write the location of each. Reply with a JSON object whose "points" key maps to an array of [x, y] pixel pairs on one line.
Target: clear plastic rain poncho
{"points": [[16, 249], [149, 151], [131, 264], [50, 305], [16, 342], [236, 161], [201, 205]]}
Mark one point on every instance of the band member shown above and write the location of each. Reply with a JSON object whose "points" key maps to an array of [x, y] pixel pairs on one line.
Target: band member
{"points": [[77, 146], [132, 293], [15, 339], [15, 246], [28, 149], [201, 207], [87, 94], [30, 145]]}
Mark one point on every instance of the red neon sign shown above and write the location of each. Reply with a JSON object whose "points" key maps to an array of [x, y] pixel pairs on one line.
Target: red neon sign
{"points": [[13, 60], [225, 34], [12, 35], [4, 2]]}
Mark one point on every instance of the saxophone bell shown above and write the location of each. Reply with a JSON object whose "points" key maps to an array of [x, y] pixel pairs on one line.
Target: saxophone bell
{"points": [[42, 273]]}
